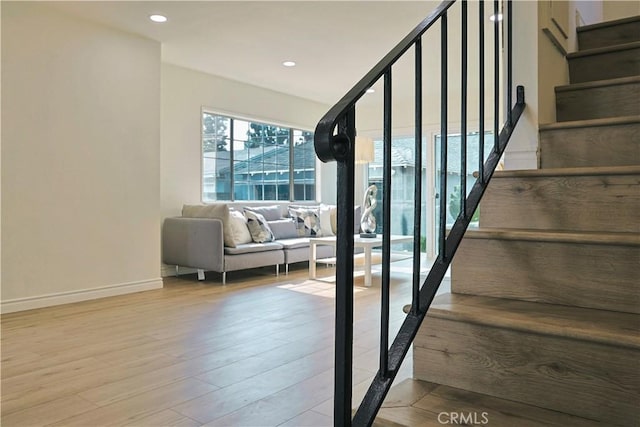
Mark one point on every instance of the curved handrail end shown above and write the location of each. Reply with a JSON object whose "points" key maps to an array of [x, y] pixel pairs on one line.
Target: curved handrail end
{"points": [[329, 147]]}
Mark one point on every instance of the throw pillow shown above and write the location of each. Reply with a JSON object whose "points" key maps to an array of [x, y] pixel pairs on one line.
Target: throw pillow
{"points": [[307, 221], [283, 228], [327, 213], [239, 228], [270, 213], [216, 211], [356, 219], [258, 227]]}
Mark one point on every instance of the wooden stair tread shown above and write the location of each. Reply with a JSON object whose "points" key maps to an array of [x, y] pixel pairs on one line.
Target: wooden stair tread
{"points": [[585, 324], [418, 403], [598, 84], [581, 171], [603, 50], [581, 237], [608, 121], [606, 24]]}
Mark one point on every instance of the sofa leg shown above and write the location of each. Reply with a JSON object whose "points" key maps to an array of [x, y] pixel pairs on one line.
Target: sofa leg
{"points": [[200, 274], [286, 269], [277, 270], [224, 278]]}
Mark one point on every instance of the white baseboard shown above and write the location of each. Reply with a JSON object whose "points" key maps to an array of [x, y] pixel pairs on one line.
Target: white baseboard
{"points": [[29, 303]]}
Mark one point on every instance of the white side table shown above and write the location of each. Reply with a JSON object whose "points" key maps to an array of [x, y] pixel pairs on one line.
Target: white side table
{"points": [[358, 242]]}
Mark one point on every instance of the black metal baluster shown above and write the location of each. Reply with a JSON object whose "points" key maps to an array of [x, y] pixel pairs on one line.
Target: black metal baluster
{"points": [[443, 136], [481, 94], [332, 146], [463, 116], [509, 60], [386, 228], [344, 277], [417, 189], [496, 77]]}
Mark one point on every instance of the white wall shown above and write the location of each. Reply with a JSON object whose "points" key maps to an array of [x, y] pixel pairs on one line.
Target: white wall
{"points": [[540, 67], [184, 93], [80, 159], [620, 9], [587, 12], [0, 157], [521, 151]]}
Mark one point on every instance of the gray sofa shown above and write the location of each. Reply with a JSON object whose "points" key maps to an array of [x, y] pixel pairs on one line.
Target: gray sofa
{"points": [[200, 243]]}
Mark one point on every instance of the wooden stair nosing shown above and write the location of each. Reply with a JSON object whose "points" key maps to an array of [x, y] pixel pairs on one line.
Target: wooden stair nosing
{"points": [[604, 50], [608, 121], [583, 324], [606, 24], [598, 84], [580, 171], [558, 236]]}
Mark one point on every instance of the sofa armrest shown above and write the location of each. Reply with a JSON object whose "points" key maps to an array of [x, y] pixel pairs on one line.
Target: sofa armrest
{"points": [[193, 242]]}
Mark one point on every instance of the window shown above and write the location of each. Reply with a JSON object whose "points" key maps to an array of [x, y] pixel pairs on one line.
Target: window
{"points": [[244, 160]]}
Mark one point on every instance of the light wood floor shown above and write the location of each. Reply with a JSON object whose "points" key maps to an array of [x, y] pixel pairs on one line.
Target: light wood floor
{"points": [[258, 352]]}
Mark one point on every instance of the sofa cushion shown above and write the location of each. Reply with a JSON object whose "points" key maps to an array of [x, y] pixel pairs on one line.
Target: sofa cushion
{"points": [[258, 227], [300, 242], [283, 228], [253, 248], [239, 228], [216, 211], [270, 213]]}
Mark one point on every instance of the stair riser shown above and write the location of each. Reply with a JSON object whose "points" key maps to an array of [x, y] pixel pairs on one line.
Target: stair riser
{"points": [[616, 145], [610, 65], [598, 102], [579, 203], [565, 375], [592, 276], [609, 36]]}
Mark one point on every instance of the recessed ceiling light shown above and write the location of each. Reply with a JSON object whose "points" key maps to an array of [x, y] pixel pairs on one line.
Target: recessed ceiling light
{"points": [[492, 18], [289, 63], [371, 90], [158, 18]]}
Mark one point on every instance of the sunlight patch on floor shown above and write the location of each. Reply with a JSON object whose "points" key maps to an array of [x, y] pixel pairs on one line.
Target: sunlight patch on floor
{"points": [[321, 287]]}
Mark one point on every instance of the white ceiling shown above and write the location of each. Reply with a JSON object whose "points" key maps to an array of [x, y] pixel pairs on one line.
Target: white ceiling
{"points": [[333, 42]]}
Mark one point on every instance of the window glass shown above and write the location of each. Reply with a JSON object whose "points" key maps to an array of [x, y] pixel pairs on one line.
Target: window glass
{"points": [[402, 184], [216, 142], [454, 177], [245, 160], [304, 164]]}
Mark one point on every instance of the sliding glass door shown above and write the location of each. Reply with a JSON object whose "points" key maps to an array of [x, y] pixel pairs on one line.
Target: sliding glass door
{"points": [[455, 175]]}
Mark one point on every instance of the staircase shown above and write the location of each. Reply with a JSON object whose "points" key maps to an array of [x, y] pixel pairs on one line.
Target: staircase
{"points": [[541, 327]]}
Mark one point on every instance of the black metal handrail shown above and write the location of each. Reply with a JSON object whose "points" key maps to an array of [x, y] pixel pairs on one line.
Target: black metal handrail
{"points": [[334, 141]]}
